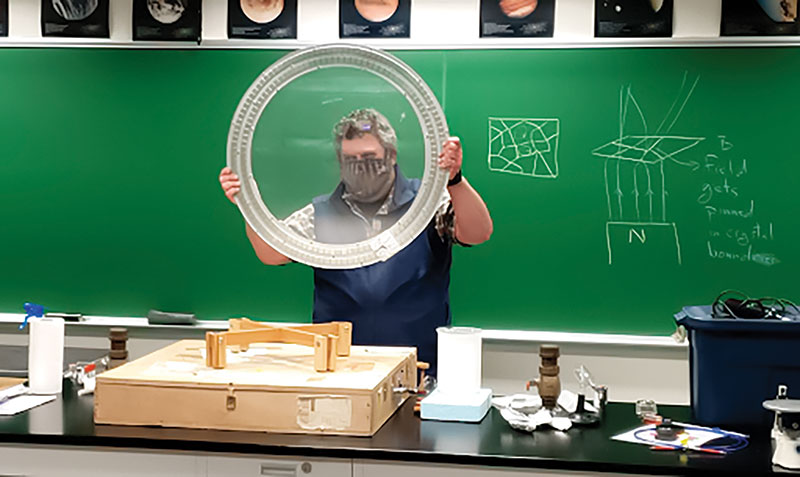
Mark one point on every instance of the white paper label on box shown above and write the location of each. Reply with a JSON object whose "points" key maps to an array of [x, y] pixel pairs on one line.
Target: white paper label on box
{"points": [[324, 412]]}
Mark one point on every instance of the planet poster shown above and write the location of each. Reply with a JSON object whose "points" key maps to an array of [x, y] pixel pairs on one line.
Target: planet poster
{"points": [[166, 20], [270, 19], [3, 17], [517, 18], [75, 18], [374, 18], [632, 18], [759, 18]]}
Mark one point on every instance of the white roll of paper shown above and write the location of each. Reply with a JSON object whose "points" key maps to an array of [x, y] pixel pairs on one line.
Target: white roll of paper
{"points": [[459, 355], [45, 355]]}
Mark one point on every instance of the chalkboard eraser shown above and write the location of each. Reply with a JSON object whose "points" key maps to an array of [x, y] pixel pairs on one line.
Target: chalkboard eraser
{"points": [[155, 317], [72, 317]]}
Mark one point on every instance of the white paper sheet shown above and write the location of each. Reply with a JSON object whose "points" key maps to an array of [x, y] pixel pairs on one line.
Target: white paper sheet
{"points": [[694, 436], [23, 403], [12, 392]]}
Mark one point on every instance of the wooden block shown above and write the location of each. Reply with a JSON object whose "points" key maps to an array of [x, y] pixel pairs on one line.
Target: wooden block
{"points": [[320, 353], [216, 350], [235, 324], [345, 338], [332, 347]]}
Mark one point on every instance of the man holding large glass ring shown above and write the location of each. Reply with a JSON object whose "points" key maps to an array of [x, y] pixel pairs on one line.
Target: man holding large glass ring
{"points": [[401, 301]]}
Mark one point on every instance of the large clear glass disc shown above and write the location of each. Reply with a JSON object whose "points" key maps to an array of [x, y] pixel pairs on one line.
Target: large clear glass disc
{"points": [[337, 148], [294, 153]]}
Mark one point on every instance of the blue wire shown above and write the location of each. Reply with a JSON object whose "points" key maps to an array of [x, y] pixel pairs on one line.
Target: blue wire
{"points": [[740, 440]]}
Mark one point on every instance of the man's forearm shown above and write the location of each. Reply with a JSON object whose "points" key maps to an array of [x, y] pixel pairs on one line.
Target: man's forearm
{"points": [[264, 252], [473, 222]]}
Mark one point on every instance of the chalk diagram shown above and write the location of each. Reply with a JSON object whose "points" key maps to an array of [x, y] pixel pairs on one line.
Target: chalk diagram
{"points": [[635, 183], [524, 146]]}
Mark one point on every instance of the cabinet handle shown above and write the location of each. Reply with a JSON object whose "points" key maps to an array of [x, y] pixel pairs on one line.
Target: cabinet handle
{"points": [[284, 470]]}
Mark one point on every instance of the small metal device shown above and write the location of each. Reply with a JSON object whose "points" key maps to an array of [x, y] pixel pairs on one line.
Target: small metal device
{"points": [[786, 429], [585, 378], [82, 373], [647, 411], [583, 416], [668, 431]]}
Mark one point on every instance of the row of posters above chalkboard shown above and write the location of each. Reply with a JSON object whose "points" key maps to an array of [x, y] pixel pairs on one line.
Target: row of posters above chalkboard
{"points": [[180, 20]]}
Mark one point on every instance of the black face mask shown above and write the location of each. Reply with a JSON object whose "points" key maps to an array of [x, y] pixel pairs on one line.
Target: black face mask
{"points": [[367, 180]]}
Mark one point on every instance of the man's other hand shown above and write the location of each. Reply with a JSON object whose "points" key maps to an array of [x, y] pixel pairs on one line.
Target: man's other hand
{"points": [[451, 156], [230, 183]]}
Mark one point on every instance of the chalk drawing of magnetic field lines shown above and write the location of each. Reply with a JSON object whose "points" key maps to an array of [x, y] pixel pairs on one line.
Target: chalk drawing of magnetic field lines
{"points": [[634, 171], [524, 146]]}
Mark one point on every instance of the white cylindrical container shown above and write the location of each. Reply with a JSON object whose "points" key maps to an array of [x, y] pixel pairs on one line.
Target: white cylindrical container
{"points": [[459, 355], [45, 355]]}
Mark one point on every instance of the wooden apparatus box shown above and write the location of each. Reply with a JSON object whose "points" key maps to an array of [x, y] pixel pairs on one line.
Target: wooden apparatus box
{"points": [[269, 387]]}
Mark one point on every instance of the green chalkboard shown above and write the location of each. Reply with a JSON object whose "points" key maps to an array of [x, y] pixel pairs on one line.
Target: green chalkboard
{"points": [[623, 183]]}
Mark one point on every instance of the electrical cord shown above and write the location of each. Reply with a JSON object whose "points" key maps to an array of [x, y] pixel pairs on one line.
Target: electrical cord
{"points": [[735, 304], [739, 441]]}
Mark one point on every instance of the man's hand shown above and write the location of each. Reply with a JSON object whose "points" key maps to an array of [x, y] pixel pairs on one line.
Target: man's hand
{"points": [[451, 156], [230, 183], [473, 223]]}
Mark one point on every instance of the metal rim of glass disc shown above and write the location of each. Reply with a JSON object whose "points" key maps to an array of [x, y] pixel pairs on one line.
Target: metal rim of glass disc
{"points": [[434, 132]]}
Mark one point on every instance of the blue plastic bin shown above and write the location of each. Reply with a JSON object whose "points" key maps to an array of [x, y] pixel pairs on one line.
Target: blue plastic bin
{"points": [[736, 364]]}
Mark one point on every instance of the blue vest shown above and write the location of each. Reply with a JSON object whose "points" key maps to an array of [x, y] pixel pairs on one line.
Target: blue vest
{"points": [[399, 302]]}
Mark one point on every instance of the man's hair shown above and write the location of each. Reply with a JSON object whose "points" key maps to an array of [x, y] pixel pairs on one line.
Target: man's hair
{"points": [[365, 121]]}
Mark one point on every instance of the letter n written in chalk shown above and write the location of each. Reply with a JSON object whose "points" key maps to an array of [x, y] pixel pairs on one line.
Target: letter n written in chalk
{"points": [[640, 234]]}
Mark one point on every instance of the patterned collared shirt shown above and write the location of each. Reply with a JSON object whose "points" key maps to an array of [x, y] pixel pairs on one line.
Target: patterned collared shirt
{"points": [[302, 221]]}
